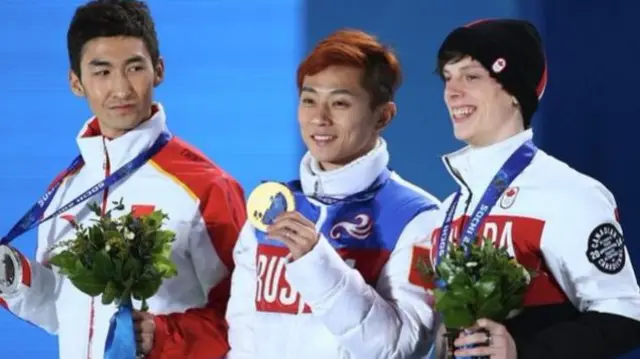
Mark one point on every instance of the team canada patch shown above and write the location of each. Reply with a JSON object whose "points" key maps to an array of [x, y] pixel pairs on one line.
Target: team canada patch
{"points": [[606, 249], [508, 197]]}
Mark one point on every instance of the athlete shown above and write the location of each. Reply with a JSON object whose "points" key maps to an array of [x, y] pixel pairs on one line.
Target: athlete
{"points": [[584, 300], [330, 279], [115, 65]]}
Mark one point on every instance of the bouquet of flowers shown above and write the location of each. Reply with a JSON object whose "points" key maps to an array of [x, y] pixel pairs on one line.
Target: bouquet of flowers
{"points": [[121, 258], [481, 281]]}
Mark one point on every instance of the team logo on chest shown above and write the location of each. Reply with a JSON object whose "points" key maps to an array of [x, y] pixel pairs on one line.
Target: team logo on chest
{"points": [[508, 197], [360, 227]]}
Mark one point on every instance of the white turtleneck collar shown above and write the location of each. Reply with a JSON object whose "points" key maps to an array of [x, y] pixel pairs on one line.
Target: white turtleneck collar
{"points": [[353, 178], [476, 166], [122, 149]]}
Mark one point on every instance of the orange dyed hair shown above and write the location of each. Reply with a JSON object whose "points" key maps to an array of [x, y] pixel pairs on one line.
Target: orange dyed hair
{"points": [[382, 75]]}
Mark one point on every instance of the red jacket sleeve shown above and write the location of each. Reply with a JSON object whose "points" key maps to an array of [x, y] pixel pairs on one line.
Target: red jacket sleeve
{"points": [[201, 333]]}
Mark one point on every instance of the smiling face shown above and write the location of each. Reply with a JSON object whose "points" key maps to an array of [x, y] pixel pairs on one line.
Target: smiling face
{"points": [[336, 120], [482, 112], [117, 78]]}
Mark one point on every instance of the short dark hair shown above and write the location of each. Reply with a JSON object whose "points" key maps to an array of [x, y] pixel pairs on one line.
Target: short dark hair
{"points": [[445, 58], [351, 47], [110, 18]]}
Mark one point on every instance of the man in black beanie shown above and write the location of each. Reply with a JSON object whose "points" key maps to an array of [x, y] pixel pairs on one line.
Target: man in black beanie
{"points": [[511, 50], [584, 301]]}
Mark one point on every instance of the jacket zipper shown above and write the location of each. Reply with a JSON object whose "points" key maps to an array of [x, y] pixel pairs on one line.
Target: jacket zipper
{"points": [[467, 202], [106, 165]]}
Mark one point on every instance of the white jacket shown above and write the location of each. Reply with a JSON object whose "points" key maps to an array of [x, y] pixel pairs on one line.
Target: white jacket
{"points": [[555, 220], [548, 219], [206, 210], [318, 306]]}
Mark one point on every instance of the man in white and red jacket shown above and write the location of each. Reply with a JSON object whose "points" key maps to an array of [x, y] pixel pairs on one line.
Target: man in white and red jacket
{"points": [[584, 300], [115, 65]]}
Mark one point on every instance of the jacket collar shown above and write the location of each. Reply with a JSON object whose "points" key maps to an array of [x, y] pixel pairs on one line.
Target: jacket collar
{"points": [[474, 167], [94, 147], [353, 178]]}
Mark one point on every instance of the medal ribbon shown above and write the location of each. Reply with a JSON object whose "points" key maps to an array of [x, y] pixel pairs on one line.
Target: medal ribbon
{"points": [[34, 217], [515, 164]]}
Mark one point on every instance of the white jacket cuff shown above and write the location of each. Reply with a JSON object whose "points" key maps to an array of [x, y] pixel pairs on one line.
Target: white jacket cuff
{"points": [[335, 292], [11, 260], [318, 274]]}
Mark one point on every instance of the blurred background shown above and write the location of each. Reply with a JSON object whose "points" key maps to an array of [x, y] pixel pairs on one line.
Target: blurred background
{"points": [[230, 90]]}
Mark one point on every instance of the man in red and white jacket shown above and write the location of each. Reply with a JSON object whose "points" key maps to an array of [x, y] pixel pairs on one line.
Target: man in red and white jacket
{"points": [[115, 65]]}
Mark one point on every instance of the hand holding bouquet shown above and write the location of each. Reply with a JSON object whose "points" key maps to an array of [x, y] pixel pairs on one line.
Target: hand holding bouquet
{"points": [[479, 282], [120, 258]]}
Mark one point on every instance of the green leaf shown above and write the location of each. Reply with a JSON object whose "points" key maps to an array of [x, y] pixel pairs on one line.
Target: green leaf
{"points": [[166, 250], [132, 268], [149, 273], [446, 300], [95, 208], [165, 266], [147, 289], [66, 261], [96, 237], [464, 294], [161, 240], [445, 269], [458, 318], [111, 292], [154, 220], [113, 234], [103, 269], [486, 287], [80, 267], [87, 283], [492, 308], [118, 274], [442, 301], [119, 206]]}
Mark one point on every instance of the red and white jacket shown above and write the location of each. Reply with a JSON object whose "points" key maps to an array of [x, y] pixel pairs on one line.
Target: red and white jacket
{"points": [[206, 210], [555, 220]]}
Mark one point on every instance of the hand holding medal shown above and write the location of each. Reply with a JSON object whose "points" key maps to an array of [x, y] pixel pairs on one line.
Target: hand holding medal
{"points": [[271, 209]]}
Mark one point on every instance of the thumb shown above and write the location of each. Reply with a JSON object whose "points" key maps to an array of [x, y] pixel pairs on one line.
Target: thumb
{"points": [[137, 315], [486, 324]]}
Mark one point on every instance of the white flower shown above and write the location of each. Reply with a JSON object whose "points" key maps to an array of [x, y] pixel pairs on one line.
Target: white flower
{"points": [[527, 275], [513, 313], [128, 234], [525, 272], [471, 264], [107, 247]]}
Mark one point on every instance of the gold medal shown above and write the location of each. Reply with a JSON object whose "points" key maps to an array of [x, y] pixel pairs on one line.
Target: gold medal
{"points": [[268, 201]]}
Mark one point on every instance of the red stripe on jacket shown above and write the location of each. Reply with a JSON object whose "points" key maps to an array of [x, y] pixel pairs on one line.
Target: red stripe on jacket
{"points": [[201, 333]]}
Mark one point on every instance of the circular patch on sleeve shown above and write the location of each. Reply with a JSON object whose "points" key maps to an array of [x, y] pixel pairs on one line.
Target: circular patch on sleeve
{"points": [[606, 249]]}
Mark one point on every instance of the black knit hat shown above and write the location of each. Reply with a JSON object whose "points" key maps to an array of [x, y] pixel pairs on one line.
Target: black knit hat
{"points": [[511, 50]]}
